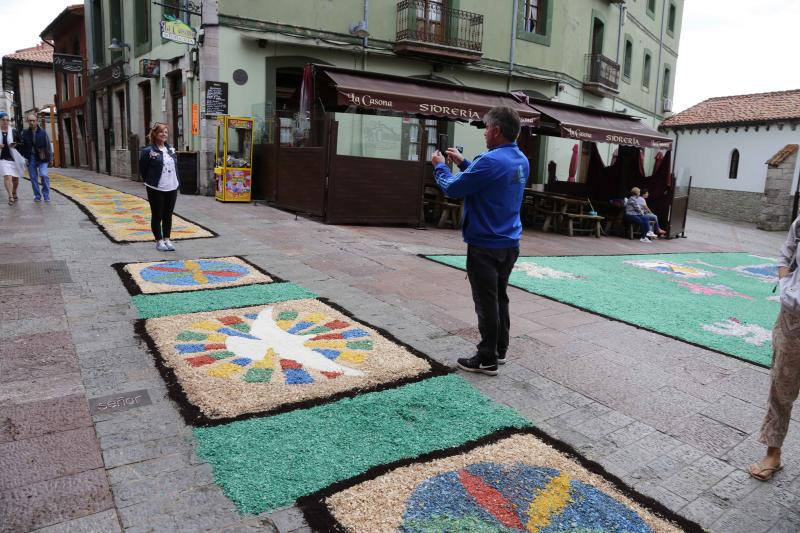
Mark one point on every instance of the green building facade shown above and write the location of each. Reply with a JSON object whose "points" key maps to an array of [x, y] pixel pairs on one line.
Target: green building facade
{"points": [[612, 55]]}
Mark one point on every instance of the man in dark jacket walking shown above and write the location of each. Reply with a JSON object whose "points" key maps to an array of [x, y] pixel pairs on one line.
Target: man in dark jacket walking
{"points": [[36, 150], [492, 186]]}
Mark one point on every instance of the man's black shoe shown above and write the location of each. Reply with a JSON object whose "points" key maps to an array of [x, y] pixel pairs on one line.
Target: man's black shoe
{"points": [[501, 359], [474, 364]]}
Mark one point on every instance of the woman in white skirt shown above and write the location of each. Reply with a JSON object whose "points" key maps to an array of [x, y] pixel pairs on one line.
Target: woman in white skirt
{"points": [[8, 165]]}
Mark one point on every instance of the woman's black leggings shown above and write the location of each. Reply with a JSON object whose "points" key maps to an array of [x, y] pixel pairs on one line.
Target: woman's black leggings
{"points": [[162, 203]]}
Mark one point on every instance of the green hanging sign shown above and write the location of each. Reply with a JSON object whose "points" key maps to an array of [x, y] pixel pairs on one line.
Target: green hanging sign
{"points": [[177, 31]]}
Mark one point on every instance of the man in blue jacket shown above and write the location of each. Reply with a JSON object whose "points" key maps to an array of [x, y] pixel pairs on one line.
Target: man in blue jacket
{"points": [[36, 150], [492, 186]]}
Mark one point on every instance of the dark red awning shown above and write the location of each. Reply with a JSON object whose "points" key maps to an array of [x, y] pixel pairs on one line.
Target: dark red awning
{"points": [[385, 93], [599, 126]]}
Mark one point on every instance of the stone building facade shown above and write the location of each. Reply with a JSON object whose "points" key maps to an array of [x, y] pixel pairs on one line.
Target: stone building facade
{"points": [[723, 144], [777, 202]]}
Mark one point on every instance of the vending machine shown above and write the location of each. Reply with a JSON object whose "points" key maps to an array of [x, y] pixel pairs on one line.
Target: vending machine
{"points": [[233, 169]]}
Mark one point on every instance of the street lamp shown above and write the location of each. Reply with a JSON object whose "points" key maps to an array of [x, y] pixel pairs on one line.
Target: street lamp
{"points": [[359, 29], [117, 46]]}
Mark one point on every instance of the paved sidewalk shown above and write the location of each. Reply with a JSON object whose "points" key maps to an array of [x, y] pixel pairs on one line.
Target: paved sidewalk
{"points": [[675, 421]]}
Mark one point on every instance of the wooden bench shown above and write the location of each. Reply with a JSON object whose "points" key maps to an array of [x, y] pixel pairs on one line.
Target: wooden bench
{"points": [[592, 222], [551, 217], [451, 213], [632, 229]]}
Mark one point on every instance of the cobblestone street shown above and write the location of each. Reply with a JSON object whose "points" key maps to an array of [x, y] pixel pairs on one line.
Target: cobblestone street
{"points": [[675, 421]]}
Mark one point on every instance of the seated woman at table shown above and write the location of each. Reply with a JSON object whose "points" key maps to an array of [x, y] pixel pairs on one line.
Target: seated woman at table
{"points": [[642, 200], [634, 214]]}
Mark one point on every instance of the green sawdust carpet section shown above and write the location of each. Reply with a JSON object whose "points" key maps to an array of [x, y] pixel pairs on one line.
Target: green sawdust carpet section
{"points": [[156, 305], [265, 463], [721, 301]]}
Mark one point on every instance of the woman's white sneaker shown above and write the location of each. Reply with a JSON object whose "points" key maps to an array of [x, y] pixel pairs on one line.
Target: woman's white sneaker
{"points": [[170, 246], [645, 239], [161, 246]]}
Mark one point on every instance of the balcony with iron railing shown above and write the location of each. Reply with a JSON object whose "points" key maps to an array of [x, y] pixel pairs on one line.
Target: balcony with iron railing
{"points": [[602, 75], [427, 28]]}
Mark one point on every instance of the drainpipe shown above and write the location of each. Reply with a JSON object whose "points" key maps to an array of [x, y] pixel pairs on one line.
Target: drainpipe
{"points": [[365, 43], [513, 50], [660, 49], [92, 109], [622, 15]]}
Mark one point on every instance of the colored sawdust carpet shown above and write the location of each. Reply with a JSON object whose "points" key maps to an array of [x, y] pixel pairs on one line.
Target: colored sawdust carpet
{"points": [[123, 218], [511, 481], [720, 301], [265, 463], [185, 275], [233, 362]]}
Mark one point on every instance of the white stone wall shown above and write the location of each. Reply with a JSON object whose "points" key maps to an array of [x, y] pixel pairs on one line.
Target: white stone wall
{"points": [[37, 87], [706, 156]]}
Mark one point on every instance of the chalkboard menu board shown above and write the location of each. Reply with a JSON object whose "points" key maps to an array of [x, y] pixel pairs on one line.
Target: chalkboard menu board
{"points": [[216, 98]]}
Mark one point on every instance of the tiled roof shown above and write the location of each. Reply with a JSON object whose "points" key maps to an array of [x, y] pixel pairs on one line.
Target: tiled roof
{"points": [[781, 156], [41, 53], [742, 109]]}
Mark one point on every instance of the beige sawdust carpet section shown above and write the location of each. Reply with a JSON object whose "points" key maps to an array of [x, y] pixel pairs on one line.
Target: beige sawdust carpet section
{"points": [[407, 497], [257, 359], [194, 274], [122, 217]]}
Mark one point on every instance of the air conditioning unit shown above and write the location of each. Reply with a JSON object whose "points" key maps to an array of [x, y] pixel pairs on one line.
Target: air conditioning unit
{"points": [[666, 106]]}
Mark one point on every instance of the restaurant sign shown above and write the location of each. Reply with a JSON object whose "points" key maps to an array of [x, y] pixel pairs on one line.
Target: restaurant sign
{"points": [[177, 31], [415, 106], [67, 63], [624, 138], [150, 68], [110, 75]]}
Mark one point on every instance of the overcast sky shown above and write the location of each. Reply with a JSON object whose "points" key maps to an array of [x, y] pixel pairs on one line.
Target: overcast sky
{"points": [[727, 46]]}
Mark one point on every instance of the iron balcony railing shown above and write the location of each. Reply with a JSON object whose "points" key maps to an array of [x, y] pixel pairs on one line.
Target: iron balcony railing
{"points": [[428, 21], [601, 70]]}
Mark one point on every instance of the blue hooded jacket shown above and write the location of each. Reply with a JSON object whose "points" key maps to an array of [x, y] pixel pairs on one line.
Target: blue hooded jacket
{"points": [[492, 186]]}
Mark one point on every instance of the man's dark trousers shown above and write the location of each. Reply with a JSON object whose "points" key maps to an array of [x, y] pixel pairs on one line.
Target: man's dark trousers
{"points": [[488, 270]]}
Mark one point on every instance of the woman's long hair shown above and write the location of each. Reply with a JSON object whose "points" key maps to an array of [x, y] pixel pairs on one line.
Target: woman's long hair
{"points": [[151, 136]]}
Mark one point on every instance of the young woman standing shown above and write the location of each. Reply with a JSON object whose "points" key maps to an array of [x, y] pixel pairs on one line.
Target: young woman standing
{"points": [[8, 166], [158, 170]]}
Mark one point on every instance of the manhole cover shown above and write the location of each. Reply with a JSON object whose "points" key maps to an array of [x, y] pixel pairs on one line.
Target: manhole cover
{"points": [[41, 273]]}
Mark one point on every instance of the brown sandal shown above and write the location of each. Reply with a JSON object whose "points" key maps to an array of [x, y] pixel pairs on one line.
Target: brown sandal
{"points": [[763, 473], [10, 200]]}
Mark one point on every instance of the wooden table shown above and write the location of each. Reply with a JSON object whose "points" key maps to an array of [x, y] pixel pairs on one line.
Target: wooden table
{"points": [[559, 210]]}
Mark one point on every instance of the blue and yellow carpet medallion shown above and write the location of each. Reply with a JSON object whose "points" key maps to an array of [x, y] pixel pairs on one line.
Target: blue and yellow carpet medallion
{"points": [[720, 301], [123, 218], [183, 275], [511, 481]]}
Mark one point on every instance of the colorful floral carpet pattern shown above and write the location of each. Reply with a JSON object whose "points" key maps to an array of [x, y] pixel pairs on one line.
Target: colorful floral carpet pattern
{"points": [[270, 358], [720, 301], [183, 275], [123, 218], [510, 481], [292, 397]]}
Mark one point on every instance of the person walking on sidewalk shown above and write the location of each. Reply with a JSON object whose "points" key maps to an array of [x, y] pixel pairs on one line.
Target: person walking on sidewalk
{"points": [[785, 373], [36, 150], [157, 168], [9, 167], [492, 186]]}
